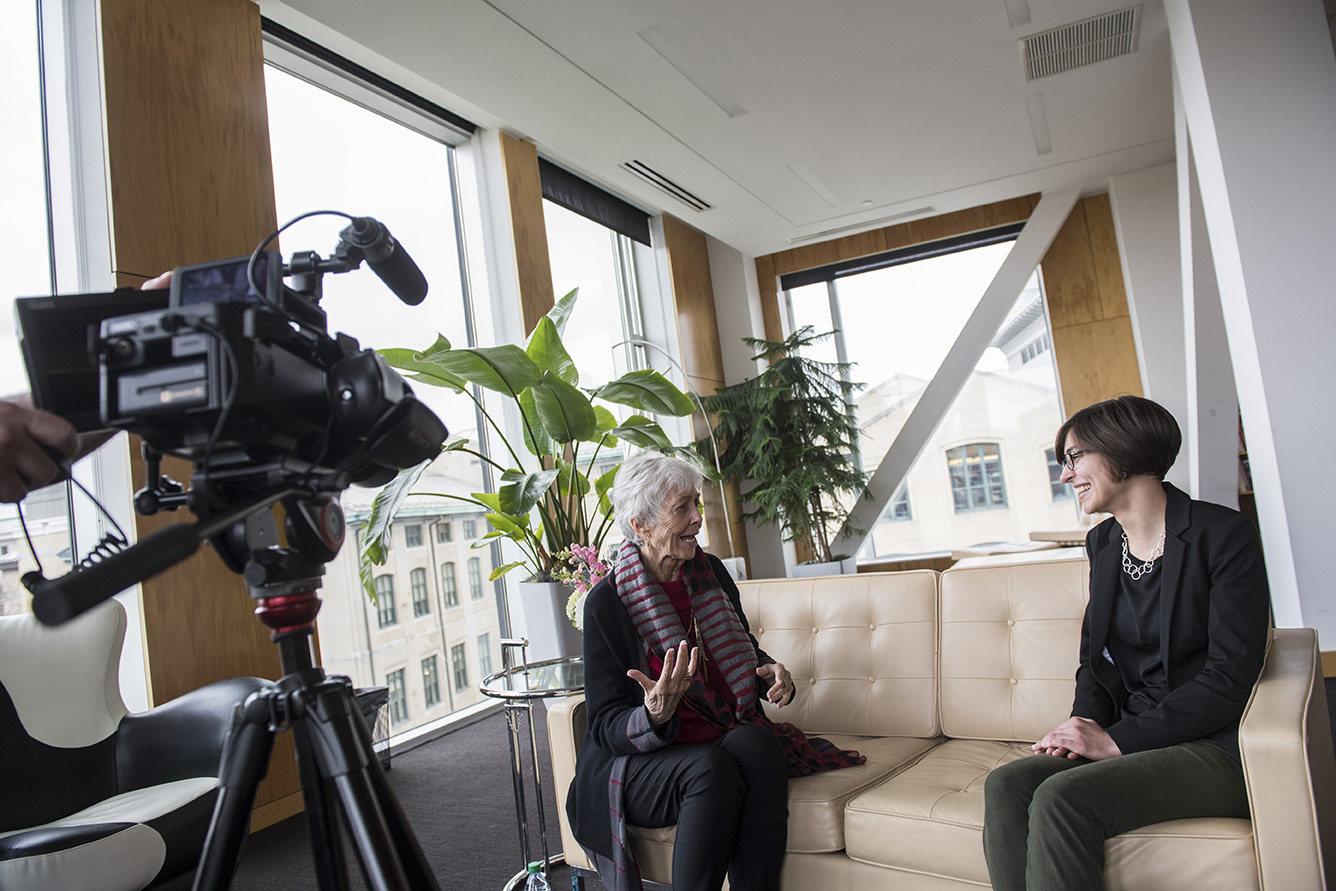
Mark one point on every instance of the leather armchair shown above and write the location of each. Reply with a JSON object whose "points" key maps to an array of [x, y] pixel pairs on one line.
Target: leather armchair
{"points": [[92, 797]]}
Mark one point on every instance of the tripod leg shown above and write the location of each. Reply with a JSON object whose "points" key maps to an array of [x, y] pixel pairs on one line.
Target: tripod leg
{"points": [[321, 820], [244, 763], [389, 852]]}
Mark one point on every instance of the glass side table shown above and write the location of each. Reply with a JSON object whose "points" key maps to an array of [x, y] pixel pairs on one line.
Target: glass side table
{"points": [[518, 686]]}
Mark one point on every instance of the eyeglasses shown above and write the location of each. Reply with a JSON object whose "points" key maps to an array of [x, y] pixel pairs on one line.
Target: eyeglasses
{"points": [[1069, 459]]}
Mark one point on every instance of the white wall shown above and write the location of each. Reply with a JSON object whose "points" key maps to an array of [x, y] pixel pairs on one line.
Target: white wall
{"points": [[1258, 82]]}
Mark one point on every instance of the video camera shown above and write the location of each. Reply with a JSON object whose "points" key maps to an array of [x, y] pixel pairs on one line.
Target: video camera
{"points": [[235, 371]]}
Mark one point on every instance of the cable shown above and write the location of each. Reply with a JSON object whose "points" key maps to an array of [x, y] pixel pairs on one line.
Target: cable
{"points": [[255, 254]]}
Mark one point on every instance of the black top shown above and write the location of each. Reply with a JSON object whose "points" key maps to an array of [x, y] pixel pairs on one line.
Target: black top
{"points": [[1134, 641], [1211, 623]]}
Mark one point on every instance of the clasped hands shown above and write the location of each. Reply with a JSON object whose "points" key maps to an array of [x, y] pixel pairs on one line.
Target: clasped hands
{"points": [[679, 667], [1078, 738]]}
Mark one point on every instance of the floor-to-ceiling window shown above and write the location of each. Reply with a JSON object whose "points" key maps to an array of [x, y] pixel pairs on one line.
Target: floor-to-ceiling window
{"points": [[984, 476], [331, 150], [25, 228]]}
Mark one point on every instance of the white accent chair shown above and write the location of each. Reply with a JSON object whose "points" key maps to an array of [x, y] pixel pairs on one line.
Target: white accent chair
{"points": [[92, 797]]}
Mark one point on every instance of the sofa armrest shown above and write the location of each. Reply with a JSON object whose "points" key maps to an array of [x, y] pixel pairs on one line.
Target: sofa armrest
{"points": [[565, 732], [1286, 747], [181, 738]]}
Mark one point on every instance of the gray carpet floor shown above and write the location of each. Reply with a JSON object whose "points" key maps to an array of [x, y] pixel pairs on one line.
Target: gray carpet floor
{"points": [[459, 798]]}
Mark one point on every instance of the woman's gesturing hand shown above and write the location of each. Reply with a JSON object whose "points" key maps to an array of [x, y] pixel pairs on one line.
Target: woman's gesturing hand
{"points": [[780, 680], [663, 695]]}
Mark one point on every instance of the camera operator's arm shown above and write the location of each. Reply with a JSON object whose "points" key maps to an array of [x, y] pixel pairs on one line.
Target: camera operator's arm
{"points": [[27, 439]]}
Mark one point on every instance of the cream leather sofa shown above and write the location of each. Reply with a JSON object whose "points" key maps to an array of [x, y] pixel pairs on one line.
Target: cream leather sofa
{"points": [[939, 678]]}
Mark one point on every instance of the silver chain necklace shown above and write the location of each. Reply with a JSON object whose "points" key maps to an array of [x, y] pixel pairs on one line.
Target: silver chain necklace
{"points": [[1137, 570]]}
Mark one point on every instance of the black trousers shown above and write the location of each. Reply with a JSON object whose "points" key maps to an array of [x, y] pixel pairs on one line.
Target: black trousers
{"points": [[730, 801]]}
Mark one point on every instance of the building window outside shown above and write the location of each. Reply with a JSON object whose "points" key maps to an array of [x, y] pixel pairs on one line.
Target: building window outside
{"points": [[1031, 351], [449, 587], [443, 533], [418, 584], [484, 655], [413, 535], [459, 666], [385, 611], [470, 530], [1057, 488], [398, 701], [431, 683], [475, 578], [976, 476], [898, 507]]}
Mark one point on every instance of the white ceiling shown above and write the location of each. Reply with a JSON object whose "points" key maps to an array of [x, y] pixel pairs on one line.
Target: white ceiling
{"points": [[857, 112]]}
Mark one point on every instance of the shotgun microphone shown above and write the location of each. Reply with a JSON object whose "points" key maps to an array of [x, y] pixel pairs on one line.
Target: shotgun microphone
{"points": [[386, 257]]}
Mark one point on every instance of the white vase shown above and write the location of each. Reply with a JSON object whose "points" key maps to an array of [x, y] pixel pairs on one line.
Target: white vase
{"points": [[543, 611], [847, 566]]}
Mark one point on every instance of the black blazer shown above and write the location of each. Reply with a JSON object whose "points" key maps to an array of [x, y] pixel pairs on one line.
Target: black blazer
{"points": [[1214, 615]]}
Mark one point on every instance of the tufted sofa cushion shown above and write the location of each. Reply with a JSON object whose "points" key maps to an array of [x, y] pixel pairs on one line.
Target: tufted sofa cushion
{"points": [[862, 649]]}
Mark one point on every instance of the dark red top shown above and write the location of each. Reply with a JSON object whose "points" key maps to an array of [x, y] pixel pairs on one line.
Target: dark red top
{"points": [[694, 729]]}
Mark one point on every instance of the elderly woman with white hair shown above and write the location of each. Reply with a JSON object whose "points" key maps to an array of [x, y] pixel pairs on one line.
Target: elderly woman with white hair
{"points": [[673, 680]]}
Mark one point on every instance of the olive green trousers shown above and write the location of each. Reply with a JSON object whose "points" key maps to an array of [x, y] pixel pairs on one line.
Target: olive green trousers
{"points": [[1046, 818]]}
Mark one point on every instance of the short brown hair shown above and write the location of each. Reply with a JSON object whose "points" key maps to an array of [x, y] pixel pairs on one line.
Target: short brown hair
{"points": [[1135, 435]]}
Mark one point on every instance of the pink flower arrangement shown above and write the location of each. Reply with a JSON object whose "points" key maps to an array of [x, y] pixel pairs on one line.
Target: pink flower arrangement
{"points": [[579, 567]]}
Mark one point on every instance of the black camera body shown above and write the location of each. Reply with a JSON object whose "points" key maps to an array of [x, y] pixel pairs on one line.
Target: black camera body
{"points": [[235, 370]]}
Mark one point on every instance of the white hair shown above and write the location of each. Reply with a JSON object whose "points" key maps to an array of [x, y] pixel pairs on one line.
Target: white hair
{"points": [[642, 486]]}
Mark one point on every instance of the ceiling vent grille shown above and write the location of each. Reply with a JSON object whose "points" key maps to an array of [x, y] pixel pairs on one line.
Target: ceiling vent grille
{"points": [[664, 184], [1083, 43]]}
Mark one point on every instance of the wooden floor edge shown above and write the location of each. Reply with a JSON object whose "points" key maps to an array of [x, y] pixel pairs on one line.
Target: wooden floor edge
{"points": [[267, 815]]}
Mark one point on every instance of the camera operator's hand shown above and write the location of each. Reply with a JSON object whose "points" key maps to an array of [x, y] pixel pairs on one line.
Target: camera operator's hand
{"points": [[27, 439]]}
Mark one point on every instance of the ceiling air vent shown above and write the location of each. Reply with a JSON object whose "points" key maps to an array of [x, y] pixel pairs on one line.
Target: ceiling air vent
{"points": [[1083, 43], [663, 183]]}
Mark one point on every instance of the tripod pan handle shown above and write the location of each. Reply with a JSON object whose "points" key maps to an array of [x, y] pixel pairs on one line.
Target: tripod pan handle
{"points": [[56, 601]]}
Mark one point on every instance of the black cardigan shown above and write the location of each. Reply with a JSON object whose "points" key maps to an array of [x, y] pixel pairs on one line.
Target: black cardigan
{"points": [[1213, 621], [617, 721]]}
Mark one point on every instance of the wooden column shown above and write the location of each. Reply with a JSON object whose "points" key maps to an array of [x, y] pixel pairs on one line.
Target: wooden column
{"points": [[1093, 345], [703, 361], [524, 189], [187, 142]]}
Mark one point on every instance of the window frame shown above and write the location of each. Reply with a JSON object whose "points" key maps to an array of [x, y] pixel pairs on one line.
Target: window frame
{"points": [[387, 615], [985, 483]]}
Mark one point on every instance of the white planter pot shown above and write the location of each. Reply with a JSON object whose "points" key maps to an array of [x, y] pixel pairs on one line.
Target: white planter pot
{"points": [[847, 566], [543, 610]]}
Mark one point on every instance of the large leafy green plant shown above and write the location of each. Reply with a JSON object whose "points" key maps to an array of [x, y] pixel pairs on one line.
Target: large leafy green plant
{"points": [[542, 502], [790, 433]]}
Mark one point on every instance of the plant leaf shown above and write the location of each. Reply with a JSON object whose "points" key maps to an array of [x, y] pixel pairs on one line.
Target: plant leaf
{"points": [[565, 410], [506, 369], [561, 311], [536, 438], [647, 390], [374, 538], [425, 368], [548, 353], [641, 431], [502, 570], [521, 491], [606, 419], [568, 472]]}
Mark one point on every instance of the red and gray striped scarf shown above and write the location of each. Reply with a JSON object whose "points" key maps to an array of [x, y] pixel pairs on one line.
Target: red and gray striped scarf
{"points": [[728, 648]]}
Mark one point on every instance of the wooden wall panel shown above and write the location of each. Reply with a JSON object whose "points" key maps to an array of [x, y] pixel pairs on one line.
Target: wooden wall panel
{"points": [[187, 143], [533, 264], [703, 362], [1093, 345], [863, 244]]}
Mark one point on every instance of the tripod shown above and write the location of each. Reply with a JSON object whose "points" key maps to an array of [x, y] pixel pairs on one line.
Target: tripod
{"points": [[340, 774]]}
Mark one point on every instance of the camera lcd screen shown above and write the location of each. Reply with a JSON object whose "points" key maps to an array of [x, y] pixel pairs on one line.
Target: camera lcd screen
{"points": [[225, 281], [54, 338]]}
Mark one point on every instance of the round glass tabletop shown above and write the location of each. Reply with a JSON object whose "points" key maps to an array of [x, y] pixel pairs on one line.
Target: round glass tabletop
{"points": [[555, 677]]}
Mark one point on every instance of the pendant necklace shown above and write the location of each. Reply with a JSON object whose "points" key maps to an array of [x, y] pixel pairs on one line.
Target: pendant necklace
{"points": [[701, 659], [1137, 570]]}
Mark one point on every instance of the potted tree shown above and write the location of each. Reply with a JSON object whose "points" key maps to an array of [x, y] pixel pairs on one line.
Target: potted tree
{"points": [[789, 433], [546, 502]]}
